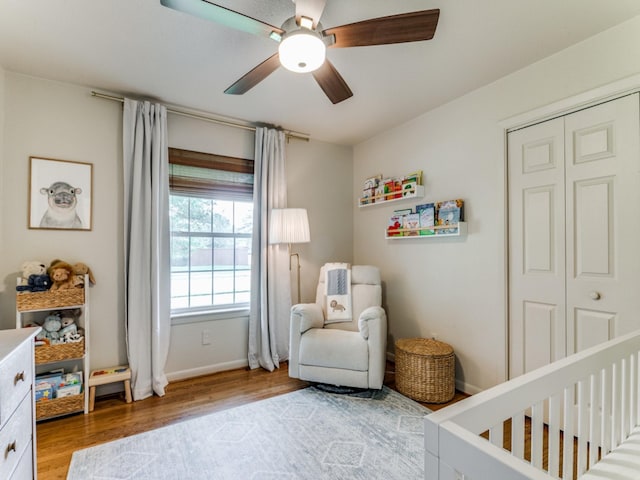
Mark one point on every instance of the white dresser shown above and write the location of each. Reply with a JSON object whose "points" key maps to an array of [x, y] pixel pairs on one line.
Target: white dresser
{"points": [[17, 406]]}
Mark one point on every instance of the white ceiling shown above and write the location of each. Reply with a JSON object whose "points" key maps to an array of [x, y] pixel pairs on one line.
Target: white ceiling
{"points": [[138, 47]]}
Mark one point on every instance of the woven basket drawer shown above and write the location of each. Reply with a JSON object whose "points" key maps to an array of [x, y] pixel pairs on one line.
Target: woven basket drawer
{"points": [[55, 353], [26, 301], [59, 406]]}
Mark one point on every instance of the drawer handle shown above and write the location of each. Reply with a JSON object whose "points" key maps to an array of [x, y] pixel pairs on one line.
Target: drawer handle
{"points": [[11, 447], [19, 377]]}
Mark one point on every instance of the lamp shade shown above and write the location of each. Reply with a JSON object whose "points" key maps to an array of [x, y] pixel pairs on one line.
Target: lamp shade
{"points": [[302, 51], [289, 225]]}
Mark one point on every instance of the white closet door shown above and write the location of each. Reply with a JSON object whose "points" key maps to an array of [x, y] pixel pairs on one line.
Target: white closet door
{"points": [[536, 246], [574, 233], [603, 222]]}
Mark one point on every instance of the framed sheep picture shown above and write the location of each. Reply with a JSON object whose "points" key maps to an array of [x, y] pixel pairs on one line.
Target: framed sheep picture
{"points": [[60, 194]]}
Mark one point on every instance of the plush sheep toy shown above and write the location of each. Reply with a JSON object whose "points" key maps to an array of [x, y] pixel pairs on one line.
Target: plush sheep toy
{"points": [[34, 277]]}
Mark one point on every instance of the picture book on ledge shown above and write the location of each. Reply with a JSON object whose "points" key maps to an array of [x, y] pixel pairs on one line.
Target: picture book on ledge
{"points": [[449, 214], [377, 189], [427, 218]]}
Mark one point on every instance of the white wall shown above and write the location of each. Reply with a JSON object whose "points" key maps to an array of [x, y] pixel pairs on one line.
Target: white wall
{"points": [[54, 120], [2, 88], [58, 120], [455, 288]]}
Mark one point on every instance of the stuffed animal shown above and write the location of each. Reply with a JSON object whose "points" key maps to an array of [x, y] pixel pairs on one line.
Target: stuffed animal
{"points": [[50, 328], [80, 270], [61, 274], [34, 277], [39, 283], [32, 267], [69, 321]]}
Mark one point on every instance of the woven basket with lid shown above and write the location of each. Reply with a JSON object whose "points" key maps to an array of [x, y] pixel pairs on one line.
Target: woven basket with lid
{"points": [[425, 369]]}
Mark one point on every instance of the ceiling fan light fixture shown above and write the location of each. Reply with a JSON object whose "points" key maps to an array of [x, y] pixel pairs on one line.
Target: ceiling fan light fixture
{"points": [[302, 51]]}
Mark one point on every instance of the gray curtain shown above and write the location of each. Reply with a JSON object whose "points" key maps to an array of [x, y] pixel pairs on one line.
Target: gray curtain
{"points": [[146, 231], [270, 277]]}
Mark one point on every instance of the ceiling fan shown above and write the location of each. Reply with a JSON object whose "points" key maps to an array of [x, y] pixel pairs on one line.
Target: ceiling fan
{"points": [[303, 41]]}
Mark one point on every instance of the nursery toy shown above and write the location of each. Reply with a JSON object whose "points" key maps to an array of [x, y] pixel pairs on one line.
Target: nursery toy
{"points": [[32, 267], [61, 274], [80, 270], [50, 328], [34, 277], [70, 331]]}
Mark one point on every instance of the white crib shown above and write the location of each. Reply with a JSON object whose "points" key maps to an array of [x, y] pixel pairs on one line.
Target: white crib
{"points": [[592, 395]]}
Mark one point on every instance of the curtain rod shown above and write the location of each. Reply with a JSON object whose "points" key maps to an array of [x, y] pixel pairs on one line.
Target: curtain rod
{"points": [[206, 118]]}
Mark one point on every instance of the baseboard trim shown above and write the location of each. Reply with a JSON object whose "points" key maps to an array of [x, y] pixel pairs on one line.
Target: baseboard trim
{"points": [[206, 370], [467, 388]]}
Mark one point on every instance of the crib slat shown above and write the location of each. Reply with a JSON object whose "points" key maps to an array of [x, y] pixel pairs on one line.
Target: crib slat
{"points": [[624, 401], [594, 418], [605, 428], [637, 379], [537, 434], [517, 435], [567, 438], [615, 405], [583, 425], [554, 436], [496, 435], [633, 391]]}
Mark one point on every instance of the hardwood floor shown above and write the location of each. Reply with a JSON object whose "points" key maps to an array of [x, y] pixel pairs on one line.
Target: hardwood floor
{"points": [[113, 418]]}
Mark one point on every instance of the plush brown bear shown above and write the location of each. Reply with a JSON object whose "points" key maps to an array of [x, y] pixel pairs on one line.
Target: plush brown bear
{"points": [[61, 274]]}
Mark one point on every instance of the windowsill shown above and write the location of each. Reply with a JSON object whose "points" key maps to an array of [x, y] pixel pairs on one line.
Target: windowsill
{"points": [[207, 316]]}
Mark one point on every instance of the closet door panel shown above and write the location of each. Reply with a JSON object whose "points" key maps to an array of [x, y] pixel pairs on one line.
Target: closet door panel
{"points": [[536, 246], [602, 225]]}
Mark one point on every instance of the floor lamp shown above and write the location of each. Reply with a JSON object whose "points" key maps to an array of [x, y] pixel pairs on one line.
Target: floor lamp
{"points": [[290, 225]]}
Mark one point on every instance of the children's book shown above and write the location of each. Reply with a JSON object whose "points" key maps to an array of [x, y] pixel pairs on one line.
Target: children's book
{"points": [[449, 213], [427, 216], [409, 189], [395, 224], [412, 224]]}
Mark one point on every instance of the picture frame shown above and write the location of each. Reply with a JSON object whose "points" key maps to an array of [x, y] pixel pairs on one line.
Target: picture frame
{"points": [[60, 194]]}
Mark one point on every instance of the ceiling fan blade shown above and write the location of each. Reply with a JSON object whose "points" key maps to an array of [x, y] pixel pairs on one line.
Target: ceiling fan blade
{"points": [[404, 27], [332, 83], [255, 76], [224, 16], [309, 8]]}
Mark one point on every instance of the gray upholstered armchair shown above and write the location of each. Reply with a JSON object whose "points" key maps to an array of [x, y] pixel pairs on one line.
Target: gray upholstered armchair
{"points": [[348, 353]]}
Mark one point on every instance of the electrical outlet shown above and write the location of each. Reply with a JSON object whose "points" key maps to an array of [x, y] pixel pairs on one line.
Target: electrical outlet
{"points": [[206, 337], [434, 335]]}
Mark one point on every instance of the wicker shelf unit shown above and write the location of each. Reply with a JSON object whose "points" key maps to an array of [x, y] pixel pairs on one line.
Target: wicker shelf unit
{"points": [[32, 307]]}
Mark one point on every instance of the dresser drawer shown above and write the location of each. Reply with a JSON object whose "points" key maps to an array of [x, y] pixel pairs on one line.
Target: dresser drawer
{"points": [[15, 437], [16, 377], [24, 470]]}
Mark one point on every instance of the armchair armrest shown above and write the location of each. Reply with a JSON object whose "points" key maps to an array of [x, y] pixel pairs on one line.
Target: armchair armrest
{"points": [[368, 315], [305, 316], [372, 324]]}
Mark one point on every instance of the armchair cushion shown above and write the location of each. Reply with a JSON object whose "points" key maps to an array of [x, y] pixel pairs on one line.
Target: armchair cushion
{"points": [[329, 348]]}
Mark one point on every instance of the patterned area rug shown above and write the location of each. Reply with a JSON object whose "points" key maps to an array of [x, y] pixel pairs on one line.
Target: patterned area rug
{"points": [[308, 435]]}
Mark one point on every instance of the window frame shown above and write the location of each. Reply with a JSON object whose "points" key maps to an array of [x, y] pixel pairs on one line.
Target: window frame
{"points": [[223, 191]]}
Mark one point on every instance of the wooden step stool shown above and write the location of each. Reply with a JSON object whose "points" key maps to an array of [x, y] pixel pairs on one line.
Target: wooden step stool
{"points": [[106, 376]]}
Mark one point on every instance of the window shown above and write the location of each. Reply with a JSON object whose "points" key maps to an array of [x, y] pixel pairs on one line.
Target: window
{"points": [[211, 217]]}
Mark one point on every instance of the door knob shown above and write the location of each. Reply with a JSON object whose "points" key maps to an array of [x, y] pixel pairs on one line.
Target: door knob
{"points": [[594, 295]]}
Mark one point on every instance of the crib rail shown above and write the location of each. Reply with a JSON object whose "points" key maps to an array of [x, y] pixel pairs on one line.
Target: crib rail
{"points": [[577, 410]]}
